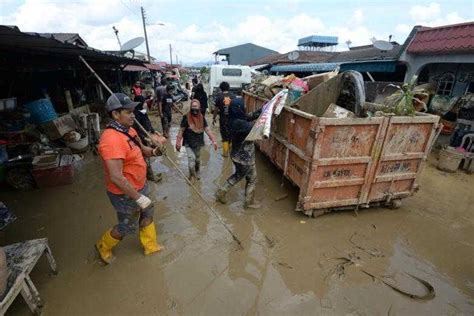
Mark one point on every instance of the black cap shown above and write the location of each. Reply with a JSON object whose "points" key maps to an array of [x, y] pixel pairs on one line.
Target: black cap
{"points": [[119, 101]]}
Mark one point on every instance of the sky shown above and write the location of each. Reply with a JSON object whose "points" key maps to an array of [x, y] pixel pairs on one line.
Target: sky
{"points": [[196, 29]]}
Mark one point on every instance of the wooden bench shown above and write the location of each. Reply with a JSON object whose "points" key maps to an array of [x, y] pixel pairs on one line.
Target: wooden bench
{"points": [[21, 259]]}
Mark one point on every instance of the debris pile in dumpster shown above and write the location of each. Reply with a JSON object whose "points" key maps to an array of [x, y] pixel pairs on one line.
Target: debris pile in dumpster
{"points": [[339, 153], [314, 94]]}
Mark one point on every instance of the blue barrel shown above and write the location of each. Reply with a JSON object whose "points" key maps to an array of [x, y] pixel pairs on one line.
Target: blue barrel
{"points": [[41, 110]]}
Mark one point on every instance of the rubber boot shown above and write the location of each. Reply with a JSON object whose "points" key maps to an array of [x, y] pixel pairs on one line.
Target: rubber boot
{"points": [[250, 197], [221, 193], [192, 175], [197, 169], [148, 239], [225, 149], [104, 247]]}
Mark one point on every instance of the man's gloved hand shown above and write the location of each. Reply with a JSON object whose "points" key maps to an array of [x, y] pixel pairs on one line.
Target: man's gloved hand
{"points": [[254, 115], [143, 202], [159, 150]]}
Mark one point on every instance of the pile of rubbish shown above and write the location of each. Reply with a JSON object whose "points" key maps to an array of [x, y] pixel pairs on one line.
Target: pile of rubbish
{"points": [[39, 148], [269, 86], [336, 91]]}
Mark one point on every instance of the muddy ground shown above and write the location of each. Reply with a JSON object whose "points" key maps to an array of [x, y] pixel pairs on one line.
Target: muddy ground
{"points": [[290, 264]]}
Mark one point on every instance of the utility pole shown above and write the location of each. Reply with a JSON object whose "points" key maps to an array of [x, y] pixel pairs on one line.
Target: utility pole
{"points": [[171, 55], [146, 37], [177, 62]]}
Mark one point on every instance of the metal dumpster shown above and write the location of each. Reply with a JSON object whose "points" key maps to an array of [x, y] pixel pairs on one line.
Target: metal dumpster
{"points": [[340, 163]]}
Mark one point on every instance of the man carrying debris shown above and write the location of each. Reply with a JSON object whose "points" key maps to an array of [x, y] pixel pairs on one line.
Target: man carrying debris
{"points": [[191, 133], [125, 170], [222, 109], [242, 153]]}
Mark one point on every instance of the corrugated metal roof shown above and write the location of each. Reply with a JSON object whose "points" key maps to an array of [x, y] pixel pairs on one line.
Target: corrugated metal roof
{"points": [[305, 57], [135, 68], [316, 67], [14, 41], [369, 53], [68, 38], [229, 50], [458, 38], [331, 40]]}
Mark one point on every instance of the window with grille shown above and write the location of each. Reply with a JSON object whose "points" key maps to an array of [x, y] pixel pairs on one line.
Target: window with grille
{"points": [[446, 84]]}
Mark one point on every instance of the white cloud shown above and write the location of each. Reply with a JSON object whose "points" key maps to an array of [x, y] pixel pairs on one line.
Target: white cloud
{"points": [[424, 13], [450, 18], [430, 15], [358, 16], [93, 20], [403, 28]]}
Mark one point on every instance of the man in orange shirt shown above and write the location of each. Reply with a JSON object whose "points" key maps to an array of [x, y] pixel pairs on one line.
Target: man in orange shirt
{"points": [[125, 170]]}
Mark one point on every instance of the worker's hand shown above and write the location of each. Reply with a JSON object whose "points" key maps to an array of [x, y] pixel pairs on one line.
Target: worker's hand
{"points": [[159, 150], [214, 121], [158, 138], [143, 202], [178, 146], [214, 144]]}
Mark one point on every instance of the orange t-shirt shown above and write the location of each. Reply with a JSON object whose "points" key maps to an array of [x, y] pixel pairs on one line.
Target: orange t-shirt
{"points": [[115, 145]]}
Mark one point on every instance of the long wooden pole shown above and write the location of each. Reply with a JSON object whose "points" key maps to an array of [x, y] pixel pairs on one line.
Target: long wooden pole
{"points": [[234, 236]]}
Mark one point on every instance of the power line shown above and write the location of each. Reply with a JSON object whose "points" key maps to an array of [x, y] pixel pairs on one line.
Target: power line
{"points": [[130, 9]]}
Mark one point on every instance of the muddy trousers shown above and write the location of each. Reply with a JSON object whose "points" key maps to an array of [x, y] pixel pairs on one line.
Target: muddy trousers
{"points": [[249, 172], [166, 123], [194, 160]]}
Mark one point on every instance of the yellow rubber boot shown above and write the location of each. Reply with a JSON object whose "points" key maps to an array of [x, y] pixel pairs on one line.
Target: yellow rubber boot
{"points": [[225, 149], [104, 246], [148, 239]]}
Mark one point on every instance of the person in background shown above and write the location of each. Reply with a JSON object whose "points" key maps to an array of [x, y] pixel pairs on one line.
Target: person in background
{"points": [[222, 109], [149, 99], [141, 116], [160, 91], [201, 96], [242, 153], [165, 109], [123, 155], [136, 89], [191, 135]]}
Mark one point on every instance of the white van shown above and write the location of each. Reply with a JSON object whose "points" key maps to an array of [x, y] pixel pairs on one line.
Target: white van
{"points": [[236, 76]]}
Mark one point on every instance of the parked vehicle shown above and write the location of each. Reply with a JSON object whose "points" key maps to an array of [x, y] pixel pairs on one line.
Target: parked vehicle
{"points": [[236, 76]]}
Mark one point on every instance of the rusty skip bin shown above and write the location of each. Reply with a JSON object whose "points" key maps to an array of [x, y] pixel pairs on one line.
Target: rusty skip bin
{"points": [[347, 163]]}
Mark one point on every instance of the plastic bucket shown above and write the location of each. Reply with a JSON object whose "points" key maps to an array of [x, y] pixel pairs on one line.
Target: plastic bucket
{"points": [[41, 110], [449, 159]]}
